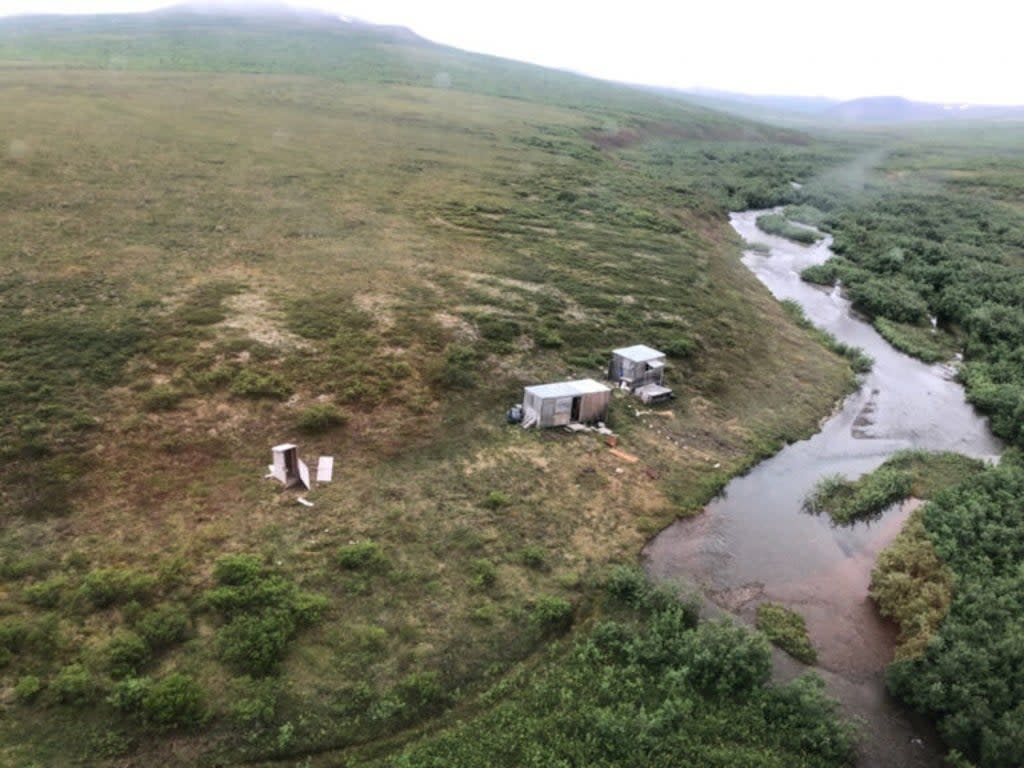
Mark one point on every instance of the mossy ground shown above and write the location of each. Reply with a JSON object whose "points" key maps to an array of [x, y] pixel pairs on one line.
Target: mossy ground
{"points": [[190, 264]]}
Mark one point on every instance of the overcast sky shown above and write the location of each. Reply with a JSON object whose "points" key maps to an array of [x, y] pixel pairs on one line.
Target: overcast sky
{"points": [[939, 50]]}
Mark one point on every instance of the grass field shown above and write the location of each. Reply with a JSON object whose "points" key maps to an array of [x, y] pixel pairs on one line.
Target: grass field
{"points": [[198, 265]]}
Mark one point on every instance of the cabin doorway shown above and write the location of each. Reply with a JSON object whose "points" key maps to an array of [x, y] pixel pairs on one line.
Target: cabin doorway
{"points": [[575, 413]]}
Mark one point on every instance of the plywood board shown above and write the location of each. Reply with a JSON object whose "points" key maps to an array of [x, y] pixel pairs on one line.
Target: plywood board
{"points": [[304, 474], [627, 457], [325, 469]]}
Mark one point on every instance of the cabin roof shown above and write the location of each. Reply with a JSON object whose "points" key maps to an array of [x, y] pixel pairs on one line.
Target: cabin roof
{"points": [[567, 388], [639, 353]]}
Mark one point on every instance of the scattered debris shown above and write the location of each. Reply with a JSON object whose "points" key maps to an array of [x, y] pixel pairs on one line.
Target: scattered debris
{"points": [[305, 502], [651, 473], [325, 469], [612, 441], [628, 457], [650, 394]]}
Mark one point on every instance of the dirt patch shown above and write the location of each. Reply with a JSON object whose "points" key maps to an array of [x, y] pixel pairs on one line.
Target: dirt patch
{"points": [[253, 315], [461, 330], [379, 306]]}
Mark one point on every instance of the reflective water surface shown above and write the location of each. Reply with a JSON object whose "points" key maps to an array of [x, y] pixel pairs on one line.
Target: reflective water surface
{"points": [[755, 544]]}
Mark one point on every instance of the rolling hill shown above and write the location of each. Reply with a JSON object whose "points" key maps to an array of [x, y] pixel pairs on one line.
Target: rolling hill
{"points": [[225, 232]]}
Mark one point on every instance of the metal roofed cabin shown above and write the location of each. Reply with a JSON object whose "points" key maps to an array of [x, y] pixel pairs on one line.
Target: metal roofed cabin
{"points": [[558, 405], [640, 369]]}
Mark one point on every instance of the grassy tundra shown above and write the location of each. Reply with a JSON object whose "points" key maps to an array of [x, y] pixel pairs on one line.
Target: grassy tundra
{"points": [[219, 235]]}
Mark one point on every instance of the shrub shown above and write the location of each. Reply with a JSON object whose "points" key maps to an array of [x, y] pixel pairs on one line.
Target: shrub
{"points": [[678, 346], [73, 685], [627, 585], [421, 690], [255, 700], [127, 695], [13, 634], [107, 586], [533, 556], [45, 594], [361, 555], [125, 653], [776, 224], [847, 501], [176, 701], [320, 418], [820, 274], [250, 383], [458, 370], [551, 614], [547, 338], [497, 500], [786, 629], [27, 688], [237, 570], [727, 660], [483, 573], [255, 643], [164, 625], [263, 612], [162, 397]]}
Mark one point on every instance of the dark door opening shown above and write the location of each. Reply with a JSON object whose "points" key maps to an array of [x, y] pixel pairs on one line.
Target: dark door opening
{"points": [[575, 413]]}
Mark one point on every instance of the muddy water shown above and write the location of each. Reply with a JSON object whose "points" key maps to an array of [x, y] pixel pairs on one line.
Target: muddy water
{"points": [[755, 544]]}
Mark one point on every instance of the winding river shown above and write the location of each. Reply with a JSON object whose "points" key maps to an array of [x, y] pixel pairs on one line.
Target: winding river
{"points": [[754, 543]]}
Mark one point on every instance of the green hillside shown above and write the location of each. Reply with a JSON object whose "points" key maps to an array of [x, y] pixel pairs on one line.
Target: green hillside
{"points": [[224, 234]]}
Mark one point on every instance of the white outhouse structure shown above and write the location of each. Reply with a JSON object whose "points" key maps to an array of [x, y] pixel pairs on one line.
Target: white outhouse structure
{"points": [[557, 405], [640, 369], [288, 468]]}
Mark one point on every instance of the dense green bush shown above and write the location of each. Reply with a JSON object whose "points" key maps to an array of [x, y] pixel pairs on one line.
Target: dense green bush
{"points": [[176, 701], [109, 586], [320, 418], [777, 224], [125, 653], [262, 611], [73, 685], [551, 614], [820, 274], [250, 383], [650, 693], [497, 500], [46, 593], [361, 555], [786, 629], [27, 688], [847, 502], [907, 251], [970, 676], [482, 573], [163, 625], [459, 368], [533, 556], [162, 397]]}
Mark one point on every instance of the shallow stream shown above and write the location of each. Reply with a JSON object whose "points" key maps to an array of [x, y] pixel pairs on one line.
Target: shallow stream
{"points": [[754, 543]]}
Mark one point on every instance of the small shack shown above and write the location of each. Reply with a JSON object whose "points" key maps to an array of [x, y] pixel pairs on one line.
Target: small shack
{"points": [[288, 468], [558, 405], [640, 369]]}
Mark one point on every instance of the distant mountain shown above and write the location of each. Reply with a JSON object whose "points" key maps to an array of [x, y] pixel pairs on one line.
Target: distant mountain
{"points": [[895, 109], [875, 110], [776, 102]]}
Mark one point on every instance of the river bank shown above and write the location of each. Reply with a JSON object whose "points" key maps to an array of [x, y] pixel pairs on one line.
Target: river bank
{"points": [[754, 543]]}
